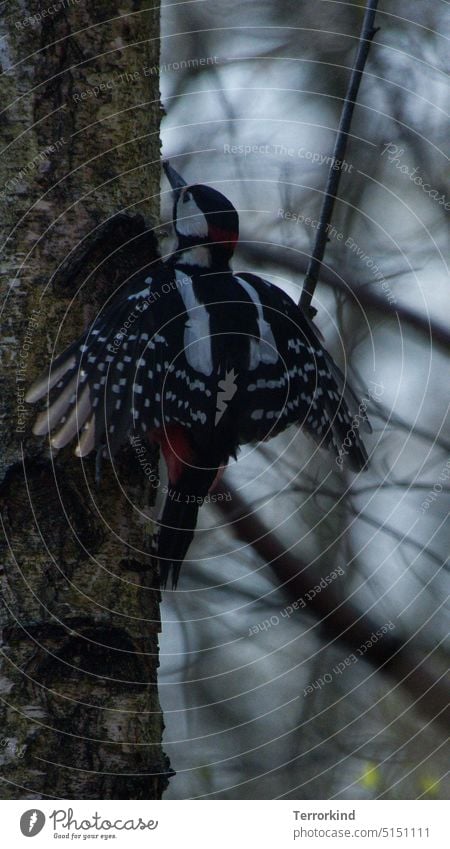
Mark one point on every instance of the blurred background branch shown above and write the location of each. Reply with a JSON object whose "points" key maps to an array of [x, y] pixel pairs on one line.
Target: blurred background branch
{"points": [[337, 617]]}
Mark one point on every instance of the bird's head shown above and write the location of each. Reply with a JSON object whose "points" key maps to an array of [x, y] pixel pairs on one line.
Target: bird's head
{"points": [[206, 223]]}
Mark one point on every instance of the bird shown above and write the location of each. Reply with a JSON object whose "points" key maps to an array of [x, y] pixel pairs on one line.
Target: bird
{"points": [[198, 360]]}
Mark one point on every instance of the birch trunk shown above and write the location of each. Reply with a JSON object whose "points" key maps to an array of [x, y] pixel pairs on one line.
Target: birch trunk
{"points": [[80, 715]]}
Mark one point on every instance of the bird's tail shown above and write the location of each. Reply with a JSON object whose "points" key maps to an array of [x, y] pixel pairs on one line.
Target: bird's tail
{"points": [[179, 519]]}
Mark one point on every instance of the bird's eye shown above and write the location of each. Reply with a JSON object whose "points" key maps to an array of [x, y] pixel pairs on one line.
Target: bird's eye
{"points": [[186, 197]]}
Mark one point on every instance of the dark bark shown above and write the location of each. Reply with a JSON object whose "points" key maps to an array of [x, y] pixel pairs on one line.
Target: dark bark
{"points": [[80, 616]]}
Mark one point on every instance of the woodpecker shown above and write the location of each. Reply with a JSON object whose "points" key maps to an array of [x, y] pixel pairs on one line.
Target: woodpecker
{"points": [[201, 361]]}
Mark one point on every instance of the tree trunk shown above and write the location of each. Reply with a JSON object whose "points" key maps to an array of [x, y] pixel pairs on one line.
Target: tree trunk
{"points": [[80, 711]]}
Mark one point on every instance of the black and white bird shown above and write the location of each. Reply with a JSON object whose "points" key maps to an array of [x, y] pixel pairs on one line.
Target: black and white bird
{"points": [[200, 361]]}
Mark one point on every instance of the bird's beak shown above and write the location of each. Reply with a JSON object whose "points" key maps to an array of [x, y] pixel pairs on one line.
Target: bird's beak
{"points": [[173, 177]]}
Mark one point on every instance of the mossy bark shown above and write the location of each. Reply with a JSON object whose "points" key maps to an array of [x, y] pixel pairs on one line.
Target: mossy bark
{"points": [[80, 714]]}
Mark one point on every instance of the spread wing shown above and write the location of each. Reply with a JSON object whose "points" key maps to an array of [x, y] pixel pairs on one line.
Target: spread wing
{"points": [[303, 385], [128, 373]]}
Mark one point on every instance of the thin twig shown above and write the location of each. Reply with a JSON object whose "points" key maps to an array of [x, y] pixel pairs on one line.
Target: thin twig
{"points": [[367, 33]]}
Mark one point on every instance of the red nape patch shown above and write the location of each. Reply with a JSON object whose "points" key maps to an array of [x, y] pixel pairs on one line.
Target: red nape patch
{"points": [[216, 234], [176, 449]]}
